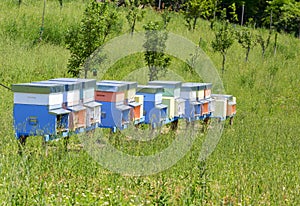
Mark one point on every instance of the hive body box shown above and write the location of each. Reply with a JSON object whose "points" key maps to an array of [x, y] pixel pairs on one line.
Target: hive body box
{"points": [[87, 99], [192, 106], [38, 110], [136, 111], [155, 112], [115, 114], [171, 98], [225, 106], [203, 95], [71, 102]]}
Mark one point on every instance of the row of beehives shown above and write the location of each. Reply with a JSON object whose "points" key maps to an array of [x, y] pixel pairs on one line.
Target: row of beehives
{"points": [[60, 106]]}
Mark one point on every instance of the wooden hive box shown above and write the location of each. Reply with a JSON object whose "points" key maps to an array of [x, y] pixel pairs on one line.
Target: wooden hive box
{"points": [[231, 107], [39, 112], [108, 92], [188, 92], [72, 92], [171, 88], [170, 102], [87, 87], [140, 99], [151, 93], [39, 94], [220, 108], [130, 90], [200, 89], [204, 107], [135, 111], [77, 117], [93, 111]]}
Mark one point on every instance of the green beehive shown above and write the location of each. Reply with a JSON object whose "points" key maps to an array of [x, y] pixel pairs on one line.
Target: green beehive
{"points": [[171, 88]]}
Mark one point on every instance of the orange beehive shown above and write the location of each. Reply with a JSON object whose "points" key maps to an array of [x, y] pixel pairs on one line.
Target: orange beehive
{"points": [[231, 108], [205, 108]]}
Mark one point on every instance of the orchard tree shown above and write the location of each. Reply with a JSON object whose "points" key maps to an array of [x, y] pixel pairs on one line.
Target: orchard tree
{"points": [[99, 21], [166, 18], [135, 13], [224, 38], [247, 39], [196, 9], [291, 16], [155, 45]]}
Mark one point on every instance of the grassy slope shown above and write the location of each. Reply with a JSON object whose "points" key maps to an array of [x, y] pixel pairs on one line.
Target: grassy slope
{"points": [[256, 161]]}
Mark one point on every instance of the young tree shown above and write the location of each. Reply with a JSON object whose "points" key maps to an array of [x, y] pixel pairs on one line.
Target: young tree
{"points": [[224, 38], [291, 16], [135, 13], [166, 18], [99, 21], [155, 45], [196, 9], [247, 40]]}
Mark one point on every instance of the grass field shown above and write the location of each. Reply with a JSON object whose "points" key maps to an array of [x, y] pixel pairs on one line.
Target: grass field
{"points": [[255, 163]]}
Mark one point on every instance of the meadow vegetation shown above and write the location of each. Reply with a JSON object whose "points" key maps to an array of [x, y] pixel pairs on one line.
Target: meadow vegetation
{"points": [[255, 163]]}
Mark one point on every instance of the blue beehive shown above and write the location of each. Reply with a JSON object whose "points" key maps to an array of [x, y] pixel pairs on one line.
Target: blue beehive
{"points": [[115, 114], [130, 94], [38, 110], [87, 99], [155, 111], [192, 110]]}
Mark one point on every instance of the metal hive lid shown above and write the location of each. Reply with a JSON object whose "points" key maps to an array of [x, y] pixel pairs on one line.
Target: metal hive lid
{"points": [[188, 88], [47, 82], [201, 86], [110, 87], [85, 83], [38, 88], [222, 96], [166, 84], [69, 86], [150, 89], [130, 85]]}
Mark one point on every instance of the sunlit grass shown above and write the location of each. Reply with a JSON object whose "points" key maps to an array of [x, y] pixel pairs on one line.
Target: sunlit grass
{"points": [[256, 161]]}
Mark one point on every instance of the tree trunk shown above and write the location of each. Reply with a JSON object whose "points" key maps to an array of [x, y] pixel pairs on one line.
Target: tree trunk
{"points": [[223, 63], [20, 2], [133, 25], [275, 43], [195, 22], [43, 20], [263, 51], [247, 54]]}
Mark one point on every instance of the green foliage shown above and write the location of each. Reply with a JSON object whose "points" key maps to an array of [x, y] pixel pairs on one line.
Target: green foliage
{"points": [[255, 163], [196, 9], [224, 38], [233, 14], [135, 13], [100, 20], [155, 45], [247, 39], [281, 11]]}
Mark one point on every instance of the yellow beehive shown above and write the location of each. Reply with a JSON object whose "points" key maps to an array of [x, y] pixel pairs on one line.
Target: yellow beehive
{"points": [[200, 94], [170, 102], [140, 99], [130, 94]]}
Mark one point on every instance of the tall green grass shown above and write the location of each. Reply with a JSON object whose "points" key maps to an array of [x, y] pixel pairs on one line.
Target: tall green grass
{"points": [[256, 161]]}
